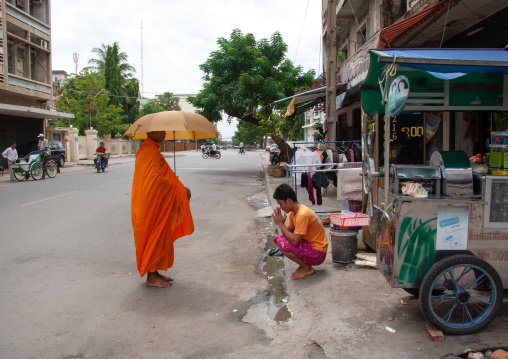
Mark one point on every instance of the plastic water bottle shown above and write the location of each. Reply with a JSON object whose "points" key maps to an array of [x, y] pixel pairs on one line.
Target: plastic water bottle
{"points": [[496, 158]]}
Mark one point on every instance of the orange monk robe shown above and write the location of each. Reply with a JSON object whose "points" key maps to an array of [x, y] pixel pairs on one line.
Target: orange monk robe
{"points": [[159, 208]]}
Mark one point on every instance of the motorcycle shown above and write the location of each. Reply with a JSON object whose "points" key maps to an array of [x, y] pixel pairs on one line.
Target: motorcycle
{"points": [[274, 158], [208, 152], [101, 164]]}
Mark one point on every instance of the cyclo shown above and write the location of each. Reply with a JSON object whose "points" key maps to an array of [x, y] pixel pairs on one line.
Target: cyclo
{"points": [[34, 165], [446, 241]]}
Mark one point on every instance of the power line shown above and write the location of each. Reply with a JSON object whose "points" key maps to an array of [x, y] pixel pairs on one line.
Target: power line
{"points": [[301, 32]]}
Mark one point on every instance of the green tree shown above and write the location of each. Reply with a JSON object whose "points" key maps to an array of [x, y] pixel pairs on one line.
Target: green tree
{"points": [[150, 107], [248, 134], [168, 102], [124, 89], [113, 65], [82, 88], [243, 79], [165, 102], [130, 103]]}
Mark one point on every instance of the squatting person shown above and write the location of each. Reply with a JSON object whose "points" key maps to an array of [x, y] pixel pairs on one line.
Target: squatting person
{"points": [[303, 240]]}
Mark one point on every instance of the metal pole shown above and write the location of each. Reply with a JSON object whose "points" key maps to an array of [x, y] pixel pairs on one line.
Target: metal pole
{"points": [[142, 80], [75, 57], [174, 152], [387, 141]]}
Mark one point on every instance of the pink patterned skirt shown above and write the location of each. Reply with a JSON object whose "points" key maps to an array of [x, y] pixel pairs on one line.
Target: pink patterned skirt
{"points": [[304, 250]]}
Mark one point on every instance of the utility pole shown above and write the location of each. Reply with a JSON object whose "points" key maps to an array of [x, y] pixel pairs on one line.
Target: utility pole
{"points": [[331, 70], [75, 57], [142, 81]]}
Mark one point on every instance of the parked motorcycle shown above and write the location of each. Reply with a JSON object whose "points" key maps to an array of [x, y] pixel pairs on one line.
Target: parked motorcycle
{"points": [[274, 157], [207, 154]]}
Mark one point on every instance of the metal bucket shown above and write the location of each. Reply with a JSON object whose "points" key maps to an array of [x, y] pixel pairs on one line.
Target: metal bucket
{"points": [[344, 245]]}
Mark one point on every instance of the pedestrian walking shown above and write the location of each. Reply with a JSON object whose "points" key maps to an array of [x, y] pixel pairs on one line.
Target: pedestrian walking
{"points": [[11, 155]]}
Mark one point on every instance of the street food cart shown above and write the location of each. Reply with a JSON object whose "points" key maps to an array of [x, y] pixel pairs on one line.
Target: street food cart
{"points": [[447, 241]]}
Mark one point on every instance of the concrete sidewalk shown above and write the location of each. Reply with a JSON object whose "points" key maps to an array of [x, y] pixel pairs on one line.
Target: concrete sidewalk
{"points": [[350, 311]]}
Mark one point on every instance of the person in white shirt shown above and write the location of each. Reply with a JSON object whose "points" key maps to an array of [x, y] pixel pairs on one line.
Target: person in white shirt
{"points": [[43, 144], [242, 150], [11, 155], [214, 149]]}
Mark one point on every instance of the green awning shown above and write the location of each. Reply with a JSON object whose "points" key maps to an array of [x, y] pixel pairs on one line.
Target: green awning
{"points": [[441, 80]]}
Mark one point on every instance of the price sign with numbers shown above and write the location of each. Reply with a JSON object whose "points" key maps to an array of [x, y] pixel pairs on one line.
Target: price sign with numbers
{"points": [[407, 139]]}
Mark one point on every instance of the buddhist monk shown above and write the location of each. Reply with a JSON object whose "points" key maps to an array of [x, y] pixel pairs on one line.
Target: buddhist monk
{"points": [[160, 211]]}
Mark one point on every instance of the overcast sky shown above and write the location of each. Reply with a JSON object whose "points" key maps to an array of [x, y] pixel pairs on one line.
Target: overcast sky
{"points": [[179, 35]]}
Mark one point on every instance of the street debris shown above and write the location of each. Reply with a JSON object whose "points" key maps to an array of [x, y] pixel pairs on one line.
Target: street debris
{"points": [[366, 260], [435, 334], [404, 303], [391, 330]]}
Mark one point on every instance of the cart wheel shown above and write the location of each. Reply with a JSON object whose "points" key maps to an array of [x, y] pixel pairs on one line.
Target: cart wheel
{"points": [[205, 155], [217, 156], [36, 170], [20, 176], [51, 169], [461, 294]]}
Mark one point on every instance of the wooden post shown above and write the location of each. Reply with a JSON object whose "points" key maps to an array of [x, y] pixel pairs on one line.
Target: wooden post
{"points": [[446, 131]]}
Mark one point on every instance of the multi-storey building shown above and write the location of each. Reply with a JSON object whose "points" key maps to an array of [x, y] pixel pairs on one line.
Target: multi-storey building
{"points": [[25, 70], [362, 25]]}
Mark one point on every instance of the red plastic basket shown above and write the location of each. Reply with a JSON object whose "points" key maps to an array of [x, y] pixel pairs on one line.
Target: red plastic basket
{"points": [[357, 220]]}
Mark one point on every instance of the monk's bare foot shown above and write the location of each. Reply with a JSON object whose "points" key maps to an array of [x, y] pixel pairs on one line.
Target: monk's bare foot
{"points": [[153, 280], [164, 278], [302, 272]]}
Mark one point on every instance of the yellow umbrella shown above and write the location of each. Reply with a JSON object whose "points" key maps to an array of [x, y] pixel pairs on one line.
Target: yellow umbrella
{"points": [[178, 125]]}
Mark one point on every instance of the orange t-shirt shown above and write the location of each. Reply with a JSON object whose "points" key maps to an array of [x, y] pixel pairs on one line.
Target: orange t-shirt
{"points": [[159, 208], [310, 227]]}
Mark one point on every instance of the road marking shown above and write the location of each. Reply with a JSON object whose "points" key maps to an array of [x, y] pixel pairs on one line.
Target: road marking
{"points": [[121, 179], [45, 199]]}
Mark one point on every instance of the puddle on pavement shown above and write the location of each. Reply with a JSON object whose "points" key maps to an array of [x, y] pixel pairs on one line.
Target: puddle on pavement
{"points": [[276, 295]]}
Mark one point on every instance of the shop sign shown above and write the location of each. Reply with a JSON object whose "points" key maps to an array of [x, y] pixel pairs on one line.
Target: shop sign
{"points": [[397, 95]]}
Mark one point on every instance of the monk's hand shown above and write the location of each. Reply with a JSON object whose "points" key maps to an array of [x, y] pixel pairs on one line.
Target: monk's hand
{"points": [[188, 193], [278, 217]]}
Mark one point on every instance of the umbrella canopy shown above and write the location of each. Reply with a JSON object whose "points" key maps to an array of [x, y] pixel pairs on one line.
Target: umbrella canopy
{"points": [[177, 124]]}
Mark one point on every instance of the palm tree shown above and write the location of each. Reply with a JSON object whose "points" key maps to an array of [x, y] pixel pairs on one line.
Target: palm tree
{"points": [[110, 54], [113, 64]]}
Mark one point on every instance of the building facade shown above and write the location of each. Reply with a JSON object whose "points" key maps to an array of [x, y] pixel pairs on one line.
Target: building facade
{"points": [[362, 25], [25, 70]]}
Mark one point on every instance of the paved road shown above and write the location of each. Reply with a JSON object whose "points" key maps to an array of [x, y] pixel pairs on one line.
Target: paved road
{"points": [[69, 286], [69, 283]]}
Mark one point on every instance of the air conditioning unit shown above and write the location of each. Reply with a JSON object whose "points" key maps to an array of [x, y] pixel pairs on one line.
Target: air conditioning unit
{"points": [[20, 3], [37, 2], [44, 44]]}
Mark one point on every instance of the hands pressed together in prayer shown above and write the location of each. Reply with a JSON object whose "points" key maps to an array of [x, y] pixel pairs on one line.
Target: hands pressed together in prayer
{"points": [[188, 193], [278, 217]]}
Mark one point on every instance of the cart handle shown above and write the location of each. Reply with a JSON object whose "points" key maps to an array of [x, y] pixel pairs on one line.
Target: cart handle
{"points": [[384, 213]]}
